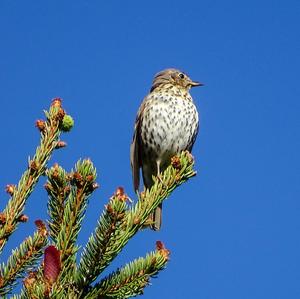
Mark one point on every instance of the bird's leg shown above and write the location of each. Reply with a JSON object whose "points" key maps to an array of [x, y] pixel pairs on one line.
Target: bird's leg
{"points": [[158, 170], [158, 175], [158, 167]]}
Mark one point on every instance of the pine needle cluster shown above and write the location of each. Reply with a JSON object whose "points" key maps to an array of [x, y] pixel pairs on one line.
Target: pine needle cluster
{"points": [[47, 262]]}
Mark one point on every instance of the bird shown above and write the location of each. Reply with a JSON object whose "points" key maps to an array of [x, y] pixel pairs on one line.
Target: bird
{"points": [[166, 124]]}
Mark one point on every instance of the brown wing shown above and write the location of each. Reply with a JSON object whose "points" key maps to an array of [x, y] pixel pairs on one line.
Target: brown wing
{"points": [[135, 152], [134, 160]]}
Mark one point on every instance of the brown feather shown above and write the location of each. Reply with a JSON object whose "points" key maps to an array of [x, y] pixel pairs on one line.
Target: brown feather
{"points": [[134, 162], [135, 151]]}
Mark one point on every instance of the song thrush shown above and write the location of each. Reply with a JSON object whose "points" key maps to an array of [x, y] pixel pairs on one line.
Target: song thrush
{"points": [[166, 124]]}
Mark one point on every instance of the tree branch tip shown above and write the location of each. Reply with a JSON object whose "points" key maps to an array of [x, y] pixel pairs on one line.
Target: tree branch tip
{"points": [[160, 247], [10, 189], [175, 162], [56, 102], [30, 280], [41, 227], [41, 125], [23, 218], [33, 166], [60, 144], [2, 218], [120, 194]]}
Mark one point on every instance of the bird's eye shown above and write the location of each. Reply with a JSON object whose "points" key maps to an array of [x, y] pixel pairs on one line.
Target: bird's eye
{"points": [[181, 76]]}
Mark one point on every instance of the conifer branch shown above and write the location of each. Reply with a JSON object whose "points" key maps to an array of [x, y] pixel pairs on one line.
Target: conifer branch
{"points": [[131, 280], [83, 184], [34, 285], [58, 276], [96, 248], [58, 188], [22, 260], [50, 132], [110, 237]]}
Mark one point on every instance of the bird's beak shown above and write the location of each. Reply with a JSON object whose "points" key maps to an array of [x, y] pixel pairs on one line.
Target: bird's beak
{"points": [[195, 83]]}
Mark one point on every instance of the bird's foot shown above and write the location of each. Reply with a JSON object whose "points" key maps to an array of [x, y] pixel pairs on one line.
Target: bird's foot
{"points": [[159, 177]]}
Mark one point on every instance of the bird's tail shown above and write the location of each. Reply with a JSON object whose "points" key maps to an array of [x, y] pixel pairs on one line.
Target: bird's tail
{"points": [[157, 218]]}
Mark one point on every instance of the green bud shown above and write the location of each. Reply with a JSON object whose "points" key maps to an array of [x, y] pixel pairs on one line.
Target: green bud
{"points": [[67, 123]]}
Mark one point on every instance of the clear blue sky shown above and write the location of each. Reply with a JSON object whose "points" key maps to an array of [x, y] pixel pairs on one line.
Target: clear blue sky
{"points": [[234, 229]]}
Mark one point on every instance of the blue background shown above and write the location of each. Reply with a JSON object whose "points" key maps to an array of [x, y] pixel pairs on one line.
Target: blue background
{"points": [[233, 231]]}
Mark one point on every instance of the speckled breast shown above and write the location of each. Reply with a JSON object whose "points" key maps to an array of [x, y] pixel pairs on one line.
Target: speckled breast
{"points": [[169, 124]]}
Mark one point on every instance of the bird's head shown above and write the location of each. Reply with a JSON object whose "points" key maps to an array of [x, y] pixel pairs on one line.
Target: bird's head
{"points": [[173, 77]]}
